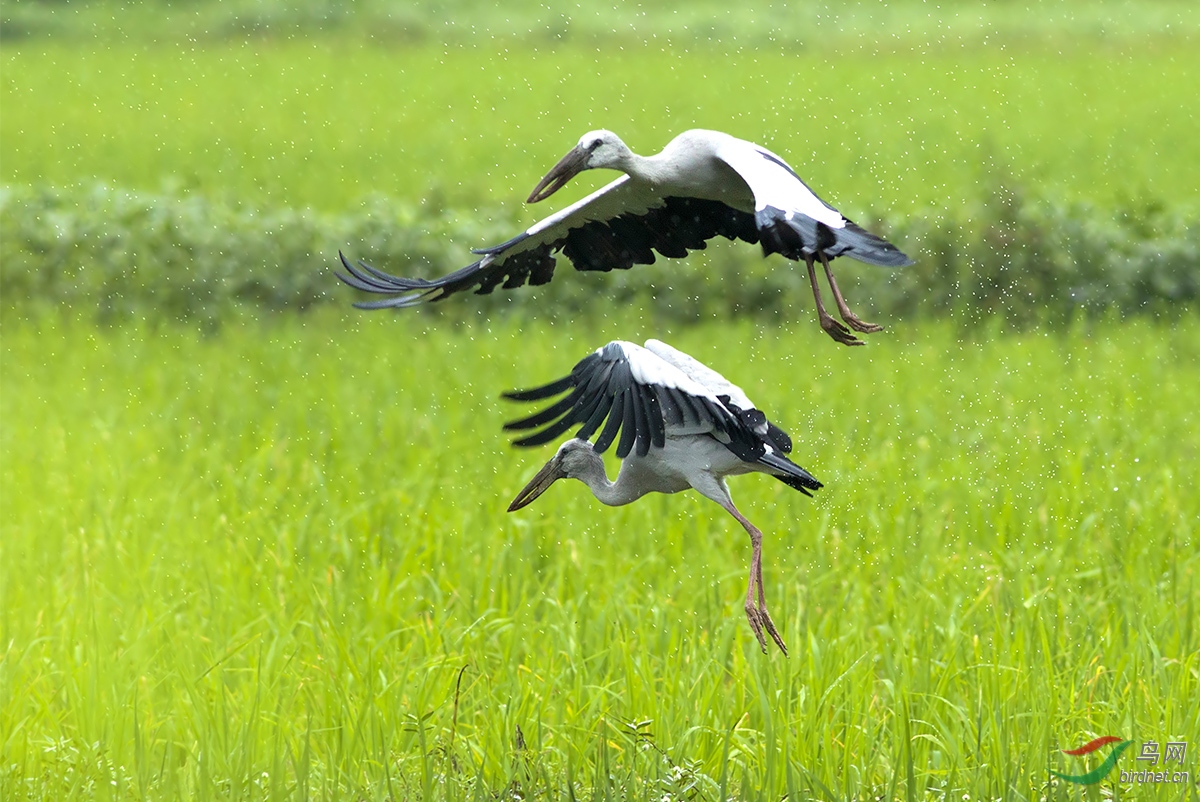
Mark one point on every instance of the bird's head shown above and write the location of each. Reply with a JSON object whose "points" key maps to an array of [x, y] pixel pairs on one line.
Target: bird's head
{"points": [[572, 459], [595, 149]]}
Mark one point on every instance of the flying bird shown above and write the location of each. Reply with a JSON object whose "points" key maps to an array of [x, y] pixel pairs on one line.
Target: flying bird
{"points": [[681, 425], [704, 183]]}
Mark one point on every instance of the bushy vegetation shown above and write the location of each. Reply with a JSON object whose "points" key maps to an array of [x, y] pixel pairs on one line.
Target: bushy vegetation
{"points": [[754, 22], [115, 254]]}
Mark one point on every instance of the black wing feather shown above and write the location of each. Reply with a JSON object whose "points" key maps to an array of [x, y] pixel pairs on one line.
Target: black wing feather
{"points": [[560, 407], [594, 414], [641, 423], [779, 438], [546, 435], [628, 426], [596, 403], [538, 393], [615, 418], [669, 408], [658, 428], [696, 406], [687, 414], [680, 224], [603, 396]]}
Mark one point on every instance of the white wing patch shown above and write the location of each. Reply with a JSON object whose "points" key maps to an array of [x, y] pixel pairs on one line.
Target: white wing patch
{"points": [[649, 368], [610, 201], [702, 374], [776, 184]]}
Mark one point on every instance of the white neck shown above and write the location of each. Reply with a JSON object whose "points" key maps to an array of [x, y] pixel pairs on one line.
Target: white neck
{"points": [[614, 494], [640, 168], [651, 169]]}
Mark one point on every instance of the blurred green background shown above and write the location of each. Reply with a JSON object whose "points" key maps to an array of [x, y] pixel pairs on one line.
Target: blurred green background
{"points": [[1013, 149]]}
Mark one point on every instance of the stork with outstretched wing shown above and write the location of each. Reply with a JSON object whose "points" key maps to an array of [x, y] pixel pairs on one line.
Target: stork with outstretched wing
{"points": [[703, 184], [680, 425]]}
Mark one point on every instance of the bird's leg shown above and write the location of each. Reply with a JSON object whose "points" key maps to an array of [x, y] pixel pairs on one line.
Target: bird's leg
{"points": [[855, 322], [832, 327], [762, 604], [752, 614], [756, 608]]}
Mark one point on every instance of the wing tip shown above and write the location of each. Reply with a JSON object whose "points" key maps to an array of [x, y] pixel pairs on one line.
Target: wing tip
{"points": [[406, 292]]}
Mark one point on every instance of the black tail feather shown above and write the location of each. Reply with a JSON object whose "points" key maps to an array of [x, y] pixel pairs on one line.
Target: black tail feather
{"points": [[864, 246], [800, 234]]}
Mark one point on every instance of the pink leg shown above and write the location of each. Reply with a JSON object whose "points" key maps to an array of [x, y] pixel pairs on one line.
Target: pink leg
{"points": [[843, 310], [832, 327], [756, 608]]}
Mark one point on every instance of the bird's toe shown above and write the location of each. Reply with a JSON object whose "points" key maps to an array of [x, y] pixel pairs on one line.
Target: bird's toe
{"points": [[770, 626], [862, 325], [839, 332], [754, 616]]}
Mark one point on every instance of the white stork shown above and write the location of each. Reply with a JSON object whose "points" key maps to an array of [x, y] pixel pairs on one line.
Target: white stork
{"points": [[704, 183], [681, 425]]}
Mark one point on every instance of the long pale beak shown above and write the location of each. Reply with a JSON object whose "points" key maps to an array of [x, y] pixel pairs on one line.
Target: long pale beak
{"points": [[571, 165], [548, 475]]}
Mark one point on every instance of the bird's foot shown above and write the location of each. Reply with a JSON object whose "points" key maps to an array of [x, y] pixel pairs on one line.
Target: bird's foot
{"points": [[854, 322], [838, 332], [852, 319], [759, 620]]}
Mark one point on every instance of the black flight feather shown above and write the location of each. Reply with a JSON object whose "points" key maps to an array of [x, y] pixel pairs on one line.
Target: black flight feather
{"points": [[641, 424], [602, 396], [615, 417], [596, 417], [538, 393], [628, 427], [563, 405]]}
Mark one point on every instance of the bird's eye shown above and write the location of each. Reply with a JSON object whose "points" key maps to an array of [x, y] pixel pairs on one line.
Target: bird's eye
{"points": [[595, 144]]}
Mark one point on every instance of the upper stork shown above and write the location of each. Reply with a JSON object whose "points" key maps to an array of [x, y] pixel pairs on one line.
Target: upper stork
{"points": [[681, 425], [704, 183]]}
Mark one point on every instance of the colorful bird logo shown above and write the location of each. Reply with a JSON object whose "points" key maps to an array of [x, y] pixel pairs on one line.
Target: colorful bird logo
{"points": [[1100, 772]]}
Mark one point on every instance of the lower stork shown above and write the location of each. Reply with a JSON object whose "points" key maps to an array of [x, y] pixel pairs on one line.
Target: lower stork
{"points": [[704, 183], [681, 424]]}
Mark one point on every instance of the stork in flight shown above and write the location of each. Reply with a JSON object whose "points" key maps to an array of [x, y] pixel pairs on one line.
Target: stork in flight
{"points": [[681, 425], [704, 183]]}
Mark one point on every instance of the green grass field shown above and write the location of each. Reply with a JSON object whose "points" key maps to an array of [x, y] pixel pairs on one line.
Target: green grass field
{"points": [[327, 122], [275, 563]]}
